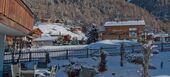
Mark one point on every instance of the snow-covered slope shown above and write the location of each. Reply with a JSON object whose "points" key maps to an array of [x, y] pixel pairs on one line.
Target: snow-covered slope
{"points": [[59, 29]]}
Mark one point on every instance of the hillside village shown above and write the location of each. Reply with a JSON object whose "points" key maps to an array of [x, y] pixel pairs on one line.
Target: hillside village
{"points": [[82, 38]]}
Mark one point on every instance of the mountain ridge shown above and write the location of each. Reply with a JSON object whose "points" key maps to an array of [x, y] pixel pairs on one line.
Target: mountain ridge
{"points": [[85, 12]]}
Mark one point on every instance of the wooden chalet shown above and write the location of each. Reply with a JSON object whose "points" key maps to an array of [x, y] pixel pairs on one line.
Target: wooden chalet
{"points": [[131, 30], [36, 32], [76, 29], [16, 19]]}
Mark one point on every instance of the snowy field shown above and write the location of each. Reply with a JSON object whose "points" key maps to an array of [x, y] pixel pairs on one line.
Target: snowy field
{"points": [[113, 62], [113, 66]]}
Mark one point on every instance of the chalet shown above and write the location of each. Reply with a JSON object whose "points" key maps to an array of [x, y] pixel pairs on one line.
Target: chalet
{"points": [[131, 30], [45, 41], [161, 37], [76, 29], [36, 32], [16, 19]]}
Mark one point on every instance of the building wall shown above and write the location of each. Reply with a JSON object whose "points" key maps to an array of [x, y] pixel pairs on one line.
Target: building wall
{"points": [[16, 12], [122, 32]]}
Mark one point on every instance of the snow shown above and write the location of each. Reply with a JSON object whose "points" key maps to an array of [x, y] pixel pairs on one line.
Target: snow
{"points": [[59, 29], [46, 38], [54, 48], [113, 62], [162, 76], [113, 46], [113, 66], [111, 43], [97, 45], [156, 60], [125, 23], [161, 35]]}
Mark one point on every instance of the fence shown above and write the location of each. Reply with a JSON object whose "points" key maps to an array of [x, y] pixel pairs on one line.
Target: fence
{"points": [[163, 46], [83, 52]]}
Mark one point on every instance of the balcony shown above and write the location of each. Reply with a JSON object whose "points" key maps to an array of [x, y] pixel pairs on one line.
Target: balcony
{"points": [[15, 18]]}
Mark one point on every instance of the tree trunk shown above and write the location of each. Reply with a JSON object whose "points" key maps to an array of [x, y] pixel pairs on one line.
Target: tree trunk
{"points": [[147, 52]]}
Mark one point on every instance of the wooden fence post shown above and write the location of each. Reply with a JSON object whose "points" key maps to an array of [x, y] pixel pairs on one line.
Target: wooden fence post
{"points": [[101, 49], [87, 52], [67, 54], [122, 49], [162, 46], [30, 56]]}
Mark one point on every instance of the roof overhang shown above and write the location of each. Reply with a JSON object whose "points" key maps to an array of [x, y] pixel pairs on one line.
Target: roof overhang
{"points": [[125, 23], [9, 27]]}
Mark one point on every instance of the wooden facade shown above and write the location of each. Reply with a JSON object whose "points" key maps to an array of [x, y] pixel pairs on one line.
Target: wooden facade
{"points": [[16, 19], [125, 31], [36, 33], [16, 15]]}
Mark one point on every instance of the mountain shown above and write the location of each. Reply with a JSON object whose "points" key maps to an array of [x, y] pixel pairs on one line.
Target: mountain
{"points": [[85, 12], [159, 8]]}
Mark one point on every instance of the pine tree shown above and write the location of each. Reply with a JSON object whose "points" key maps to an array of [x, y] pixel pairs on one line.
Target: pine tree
{"points": [[92, 35]]}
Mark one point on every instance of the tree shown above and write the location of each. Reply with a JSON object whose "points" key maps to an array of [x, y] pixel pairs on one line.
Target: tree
{"points": [[92, 35], [147, 52], [16, 49]]}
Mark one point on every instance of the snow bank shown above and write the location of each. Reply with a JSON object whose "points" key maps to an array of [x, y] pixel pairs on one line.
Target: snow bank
{"points": [[111, 43], [113, 46], [55, 48], [162, 76], [46, 38]]}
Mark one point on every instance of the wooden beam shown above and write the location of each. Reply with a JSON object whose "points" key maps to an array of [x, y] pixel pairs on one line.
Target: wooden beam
{"points": [[2, 49], [12, 24]]}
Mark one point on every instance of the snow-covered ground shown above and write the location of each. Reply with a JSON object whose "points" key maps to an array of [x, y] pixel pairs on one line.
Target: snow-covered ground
{"points": [[113, 62], [113, 66]]}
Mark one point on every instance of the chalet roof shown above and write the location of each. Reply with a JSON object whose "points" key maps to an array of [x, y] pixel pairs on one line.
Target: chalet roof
{"points": [[125, 23], [35, 28]]}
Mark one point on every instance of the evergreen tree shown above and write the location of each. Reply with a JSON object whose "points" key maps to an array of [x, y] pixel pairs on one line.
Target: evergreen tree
{"points": [[92, 35]]}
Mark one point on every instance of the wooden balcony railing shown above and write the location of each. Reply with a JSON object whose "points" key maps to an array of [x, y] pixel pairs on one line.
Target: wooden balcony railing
{"points": [[15, 11]]}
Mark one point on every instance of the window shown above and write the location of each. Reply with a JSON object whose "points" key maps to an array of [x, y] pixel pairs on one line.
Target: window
{"points": [[132, 29], [133, 34]]}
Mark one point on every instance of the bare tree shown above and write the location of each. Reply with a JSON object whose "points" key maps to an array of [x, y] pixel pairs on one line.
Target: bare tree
{"points": [[147, 52]]}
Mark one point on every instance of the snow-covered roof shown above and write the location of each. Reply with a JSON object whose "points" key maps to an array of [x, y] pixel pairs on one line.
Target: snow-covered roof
{"points": [[35, 27], [59, 29], [125, 23], [161, 35], [54, 48], [46, 39]]}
